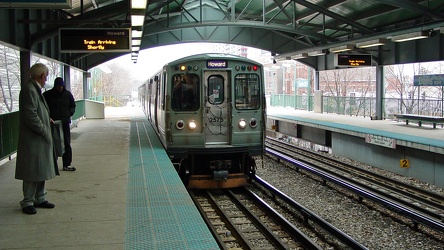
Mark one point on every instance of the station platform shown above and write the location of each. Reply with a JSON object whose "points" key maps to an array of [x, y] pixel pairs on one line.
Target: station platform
{"points": [[423, 137], [408, 150], [125, 194]]}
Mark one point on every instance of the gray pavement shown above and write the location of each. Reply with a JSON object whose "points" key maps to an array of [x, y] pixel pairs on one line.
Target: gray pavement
{"points": [[90, 202]]}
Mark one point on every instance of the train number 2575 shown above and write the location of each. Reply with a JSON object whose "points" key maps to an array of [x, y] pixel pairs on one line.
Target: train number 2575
{"points": [[215, 119]]}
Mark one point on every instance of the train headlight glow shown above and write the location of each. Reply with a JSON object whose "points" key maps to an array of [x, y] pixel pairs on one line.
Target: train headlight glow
{"points": [[180, 124], [242, 123], [253, 123], [183, 67], [192, 124]]}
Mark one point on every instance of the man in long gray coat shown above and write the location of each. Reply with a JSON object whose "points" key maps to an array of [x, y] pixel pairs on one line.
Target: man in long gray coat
{"points": [[35, 153]]}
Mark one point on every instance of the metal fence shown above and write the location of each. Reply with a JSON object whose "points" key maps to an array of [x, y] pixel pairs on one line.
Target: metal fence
{"points": [[9, 125], [361, 106], [112, 101]]}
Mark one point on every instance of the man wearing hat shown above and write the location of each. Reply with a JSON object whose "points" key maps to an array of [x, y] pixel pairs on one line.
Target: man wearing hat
{"points": [[61, 107]]}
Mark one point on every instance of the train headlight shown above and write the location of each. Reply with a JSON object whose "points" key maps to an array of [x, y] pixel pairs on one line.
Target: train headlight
{"points": [[183, 67], [242, 123], [253, 123], [180, 124], [192, 124]]}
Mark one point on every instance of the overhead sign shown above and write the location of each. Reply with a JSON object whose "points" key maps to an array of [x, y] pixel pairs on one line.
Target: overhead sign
{"points": [[41, 4], [353, 60], [75, 40], [428, 80]]}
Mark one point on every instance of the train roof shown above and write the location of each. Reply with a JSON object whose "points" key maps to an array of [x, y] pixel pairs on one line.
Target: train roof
{"points": [[209, 56]]}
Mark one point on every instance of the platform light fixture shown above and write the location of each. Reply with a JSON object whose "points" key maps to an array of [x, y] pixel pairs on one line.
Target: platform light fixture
{"points": [[136, 33], [371, 43], [138, 4], [137, 20], [299, 56], [317, 52], [342, 48], [136, 42], [410, 36], [138, 12]]}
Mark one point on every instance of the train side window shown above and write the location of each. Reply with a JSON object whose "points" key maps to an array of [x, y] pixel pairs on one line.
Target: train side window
{"points": [[185, 92], [247, 91], [162, 79], [215, 89]]}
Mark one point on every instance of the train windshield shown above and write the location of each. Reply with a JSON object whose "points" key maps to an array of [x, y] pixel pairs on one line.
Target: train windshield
{"points": [[247, 91], [216, 89], [185, 91]]}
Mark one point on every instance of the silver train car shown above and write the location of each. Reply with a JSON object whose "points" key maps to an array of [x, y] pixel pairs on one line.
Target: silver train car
{"points": [[209, 112]]}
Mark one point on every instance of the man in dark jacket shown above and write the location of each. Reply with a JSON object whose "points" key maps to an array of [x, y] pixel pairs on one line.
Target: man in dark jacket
{"points": [[61, 107]]}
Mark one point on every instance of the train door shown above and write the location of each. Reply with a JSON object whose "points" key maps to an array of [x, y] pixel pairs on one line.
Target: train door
{"points": [[148, 107], [217, 118]]}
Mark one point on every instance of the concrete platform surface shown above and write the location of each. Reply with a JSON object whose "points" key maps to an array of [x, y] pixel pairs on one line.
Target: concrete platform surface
{"points": [[90, 202]]}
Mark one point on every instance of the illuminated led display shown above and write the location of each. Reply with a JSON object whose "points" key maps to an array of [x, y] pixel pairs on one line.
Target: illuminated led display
{"points": [[353, 60], [94, 40], [217, 64]]}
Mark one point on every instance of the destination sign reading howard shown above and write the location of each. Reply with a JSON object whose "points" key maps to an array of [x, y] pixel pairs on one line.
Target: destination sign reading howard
{"points": [[94, 40]]}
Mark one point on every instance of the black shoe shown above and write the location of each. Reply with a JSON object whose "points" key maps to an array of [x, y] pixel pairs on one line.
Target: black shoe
{"points": [[69, 168], [45, 204], [29, 210]]}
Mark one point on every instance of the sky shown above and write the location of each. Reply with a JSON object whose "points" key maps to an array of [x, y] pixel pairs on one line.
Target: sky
{"points": [[152, 60]]}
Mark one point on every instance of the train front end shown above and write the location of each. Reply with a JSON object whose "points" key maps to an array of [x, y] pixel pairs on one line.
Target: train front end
{"points": [[217, 120]]}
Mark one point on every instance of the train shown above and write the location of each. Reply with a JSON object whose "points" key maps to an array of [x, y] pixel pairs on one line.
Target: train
{"points": [[209, 112]]}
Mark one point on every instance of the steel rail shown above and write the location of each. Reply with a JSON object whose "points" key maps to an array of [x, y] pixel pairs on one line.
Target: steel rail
{"points": [[384, 184], [435, 199], [409, 213], [303, 239], [213, 230], [271, 237], [343, 237]]}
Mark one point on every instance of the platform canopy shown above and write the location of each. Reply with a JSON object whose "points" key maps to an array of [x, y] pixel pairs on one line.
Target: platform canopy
{"points": [[306, 30]]}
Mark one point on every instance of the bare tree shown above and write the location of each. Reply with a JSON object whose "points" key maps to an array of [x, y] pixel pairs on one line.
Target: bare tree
{"points": [[338, 83], [399, 79], [76, 83], [116, 82], [10, 79]]}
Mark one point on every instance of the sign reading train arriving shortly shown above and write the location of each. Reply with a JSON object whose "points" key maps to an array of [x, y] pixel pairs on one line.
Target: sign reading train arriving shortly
{"points": [[94, 40], [353, 60]]}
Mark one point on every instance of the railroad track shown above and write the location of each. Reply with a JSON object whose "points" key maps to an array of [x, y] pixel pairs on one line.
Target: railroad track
{"points": [[242, 219], [421, 206]]}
